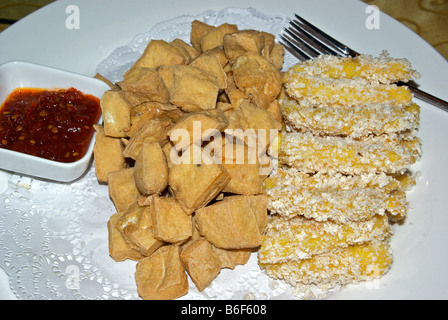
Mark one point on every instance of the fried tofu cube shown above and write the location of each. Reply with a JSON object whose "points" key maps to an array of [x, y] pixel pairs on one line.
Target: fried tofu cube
{"points": [[195, 185], [234, 94], [122, 188], [157, 53], [201, 262], [161, 276], [236, 222], [167, 148], [269, 44], [187, 51], [194, 236], [233, 257], [135, 226], [222, 97], [240, 42], [170, 222], [151, 169], [154, 130], [146, 111], [197, 127], [258, 78], [116, 111], [226, 107], [167, 75], [144, 84], [193, 89], [108, 154], [119, 248], [214, 38], [277, 56], [198, 29], [276, 111], [212, 64], [244, 168], [219, 53], [250, 117]]}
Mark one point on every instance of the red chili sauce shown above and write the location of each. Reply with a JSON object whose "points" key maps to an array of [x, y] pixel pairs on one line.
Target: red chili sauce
{"points": [[55, 125]]}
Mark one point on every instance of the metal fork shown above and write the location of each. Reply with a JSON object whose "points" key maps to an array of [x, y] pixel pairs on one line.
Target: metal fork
{"points": [[305, 41]]}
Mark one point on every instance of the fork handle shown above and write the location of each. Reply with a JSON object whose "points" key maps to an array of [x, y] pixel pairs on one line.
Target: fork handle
{"points": [[419, 94]]}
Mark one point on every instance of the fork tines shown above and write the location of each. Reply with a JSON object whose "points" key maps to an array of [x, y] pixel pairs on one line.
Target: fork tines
{"points": [[305, 41]]}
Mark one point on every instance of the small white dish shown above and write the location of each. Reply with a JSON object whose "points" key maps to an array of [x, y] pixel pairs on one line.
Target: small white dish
{"points": [[19, 74]]}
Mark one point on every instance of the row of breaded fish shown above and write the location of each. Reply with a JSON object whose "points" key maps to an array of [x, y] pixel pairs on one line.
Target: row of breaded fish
{"points": [[344, 170]]}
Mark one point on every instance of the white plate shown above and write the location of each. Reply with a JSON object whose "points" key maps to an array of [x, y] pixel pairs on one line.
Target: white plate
{"points": [[420, 245]]}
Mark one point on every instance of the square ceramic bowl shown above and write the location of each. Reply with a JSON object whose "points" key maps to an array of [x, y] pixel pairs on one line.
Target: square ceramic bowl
{"points": [[19, 74]]}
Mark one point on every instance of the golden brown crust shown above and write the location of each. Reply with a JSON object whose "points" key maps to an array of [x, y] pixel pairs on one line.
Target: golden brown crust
{"points": [[162, 275]]}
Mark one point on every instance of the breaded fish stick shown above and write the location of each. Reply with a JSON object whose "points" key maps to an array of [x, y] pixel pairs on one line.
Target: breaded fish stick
{"points": [[325, 197], [310, 153], [382, 69], [320, 91], [406, 180], [341, 266], [286, 176], [355, 122], [299, 238], [397, 205]]}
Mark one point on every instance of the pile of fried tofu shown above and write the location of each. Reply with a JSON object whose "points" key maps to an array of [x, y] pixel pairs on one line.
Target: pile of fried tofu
{"points": [[178, 214]]}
